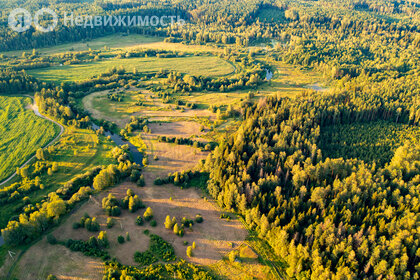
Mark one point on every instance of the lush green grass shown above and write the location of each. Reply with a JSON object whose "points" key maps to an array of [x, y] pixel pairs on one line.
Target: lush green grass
{"points": [[197, 65], [21, 133], [370, 142], [111, 41], [288, 80], [116, 109]]}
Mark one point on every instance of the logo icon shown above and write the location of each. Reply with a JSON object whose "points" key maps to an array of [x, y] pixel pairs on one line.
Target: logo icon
{"points": [[20, 20], [51, 26]]}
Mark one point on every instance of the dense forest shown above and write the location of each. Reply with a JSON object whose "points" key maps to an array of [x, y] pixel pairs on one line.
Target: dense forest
{"points": [[328, 218], [329, 179]]}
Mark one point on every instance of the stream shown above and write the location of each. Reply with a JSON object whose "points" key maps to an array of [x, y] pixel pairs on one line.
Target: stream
{"points": [[118, 140]]}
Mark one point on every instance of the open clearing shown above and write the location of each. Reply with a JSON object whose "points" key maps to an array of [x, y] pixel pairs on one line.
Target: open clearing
{"points": [[197, 65], [214, 237], [21, 133], [176, 129], [288, 80]]}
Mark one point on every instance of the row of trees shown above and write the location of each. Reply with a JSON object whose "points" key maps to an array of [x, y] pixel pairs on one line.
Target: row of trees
{"points": [[32, 224]]}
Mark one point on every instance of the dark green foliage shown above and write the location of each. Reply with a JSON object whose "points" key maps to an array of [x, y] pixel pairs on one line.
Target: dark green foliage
{"points": [[187, 222], [371, 142], [162, 249], [120, 239], [185, 178], [199, 218], [90, 248], [153, 223], [141, 182], [187, 141], [51, 239], [76, 225], [139, 221], [145, 258], [111, 205], [110, 222]]}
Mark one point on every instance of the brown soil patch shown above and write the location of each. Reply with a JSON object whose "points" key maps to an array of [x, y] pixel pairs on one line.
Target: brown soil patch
{"points": [[176, 129], [44, 259]]}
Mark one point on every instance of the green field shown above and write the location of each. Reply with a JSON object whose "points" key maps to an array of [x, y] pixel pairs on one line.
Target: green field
{"points": [[376, 141], [21, 133], [197, 65], [111, 41]]}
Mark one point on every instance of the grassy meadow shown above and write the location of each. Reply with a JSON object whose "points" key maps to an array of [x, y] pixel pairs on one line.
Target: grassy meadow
{"points": [[21, 133], [197, 65]]}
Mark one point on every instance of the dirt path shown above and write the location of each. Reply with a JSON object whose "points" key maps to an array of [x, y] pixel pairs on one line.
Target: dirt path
{"points": [[34, 107]]}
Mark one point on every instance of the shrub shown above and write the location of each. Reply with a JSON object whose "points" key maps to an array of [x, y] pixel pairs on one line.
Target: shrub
{"points": [[51, 239], [139, 221], [89, 248], [153, 223], [51, 277], [146, 232], [120, 239], [232, 256], [111, 205], [141, 182], [162, 249], [199, 218], [110, 222], [187, 222], [148, 215], [127, 236], [189, 251], [93, 225], [76, 225], [145, 258]]}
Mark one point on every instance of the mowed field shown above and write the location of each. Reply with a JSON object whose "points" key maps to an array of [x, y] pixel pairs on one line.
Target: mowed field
{"points": [[197, 65], [21, 133]]}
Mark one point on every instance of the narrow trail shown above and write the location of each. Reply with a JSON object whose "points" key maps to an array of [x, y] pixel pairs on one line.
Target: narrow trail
{"points": [[34, 107]]}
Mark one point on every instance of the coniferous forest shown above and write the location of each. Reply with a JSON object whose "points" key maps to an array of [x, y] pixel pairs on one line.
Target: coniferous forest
{"points": [[297, 122]]}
